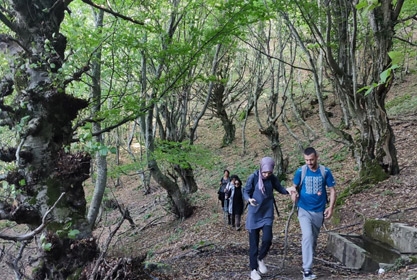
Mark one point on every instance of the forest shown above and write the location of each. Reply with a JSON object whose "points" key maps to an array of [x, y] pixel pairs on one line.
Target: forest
{"points": [[114, 114]]}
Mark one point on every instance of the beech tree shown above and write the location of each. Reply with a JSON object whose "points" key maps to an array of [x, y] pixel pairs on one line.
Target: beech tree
{"points": [[278, 87], [43, 185], [356, 39], [181, 63], [35, 105]]}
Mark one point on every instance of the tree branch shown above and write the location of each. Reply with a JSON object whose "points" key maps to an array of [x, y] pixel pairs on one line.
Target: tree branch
{"points": [[405, 41], [273, 57], [112, 12], [30, 235], [414, 17], [7, 22], [77, 75]]}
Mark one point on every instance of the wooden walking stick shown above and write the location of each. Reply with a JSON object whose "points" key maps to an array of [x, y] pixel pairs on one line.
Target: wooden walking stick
{"points": [[287, 225]]}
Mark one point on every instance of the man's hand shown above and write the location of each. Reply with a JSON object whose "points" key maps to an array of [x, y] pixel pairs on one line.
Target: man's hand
{"points": [[252, 202], [328, 213]]}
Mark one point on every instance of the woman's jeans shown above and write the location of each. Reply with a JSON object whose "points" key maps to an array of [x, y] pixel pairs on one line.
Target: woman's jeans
{"points": [[254, 253]]}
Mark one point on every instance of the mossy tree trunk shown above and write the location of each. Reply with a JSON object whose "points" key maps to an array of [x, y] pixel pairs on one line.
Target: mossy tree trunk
{"points": [[356, 56], [41, 113], [375, 145]]}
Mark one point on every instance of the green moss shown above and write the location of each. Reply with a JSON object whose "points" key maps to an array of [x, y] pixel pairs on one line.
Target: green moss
{"points": [[413, 259], [353, 188], [372, 173], [379, 230]]}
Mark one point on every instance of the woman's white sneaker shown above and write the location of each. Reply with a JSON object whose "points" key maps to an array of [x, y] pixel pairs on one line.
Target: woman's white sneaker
{"points": [[254, 275], [262, 267]]}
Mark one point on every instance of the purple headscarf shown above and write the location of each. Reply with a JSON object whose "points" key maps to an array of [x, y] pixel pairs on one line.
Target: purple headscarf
{"points": [[267, 165]]}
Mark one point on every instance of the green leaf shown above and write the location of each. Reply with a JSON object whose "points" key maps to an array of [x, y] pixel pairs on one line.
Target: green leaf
{"points": [[72, 234], [385, 75], [46, 246], [103, 151], [362, 4], [369, 91], [396, 57]]}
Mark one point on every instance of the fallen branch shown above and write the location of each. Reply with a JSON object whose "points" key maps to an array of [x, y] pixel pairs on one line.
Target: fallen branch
{"points": [[397, 212], [15, 264], [115, 269], [334, 264], [30, 235], [151, 223], [103, 253]]}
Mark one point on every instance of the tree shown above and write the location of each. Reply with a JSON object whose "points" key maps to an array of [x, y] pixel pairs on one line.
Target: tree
{"points": [[174, 70], [271, 41], [228, 88], [100, 156], [35, 105], [349, 44]]}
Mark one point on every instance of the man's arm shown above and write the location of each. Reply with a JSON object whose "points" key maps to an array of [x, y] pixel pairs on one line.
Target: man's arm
{"points": [[329, 210]]}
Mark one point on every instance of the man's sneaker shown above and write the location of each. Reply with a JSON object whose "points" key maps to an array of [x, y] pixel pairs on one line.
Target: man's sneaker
{"points": [[254, 275], [261, 267], [308, 275]]}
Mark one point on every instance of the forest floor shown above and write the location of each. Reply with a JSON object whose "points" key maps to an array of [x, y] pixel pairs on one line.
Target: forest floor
{"points": [[205, 247], [157, 246]]}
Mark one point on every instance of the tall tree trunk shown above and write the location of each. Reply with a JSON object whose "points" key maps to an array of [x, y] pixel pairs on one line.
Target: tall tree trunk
{"points": [[101, 159], [229, 129], [44, 113], [274, 108], [180, 206], [375, 149], [383, 20]]}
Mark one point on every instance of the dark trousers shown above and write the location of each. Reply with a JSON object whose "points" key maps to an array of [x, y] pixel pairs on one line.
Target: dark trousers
{"points": [[254, 253]]}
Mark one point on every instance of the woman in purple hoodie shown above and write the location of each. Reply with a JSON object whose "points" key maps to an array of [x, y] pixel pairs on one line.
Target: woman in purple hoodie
{"points": [[259, 193]]}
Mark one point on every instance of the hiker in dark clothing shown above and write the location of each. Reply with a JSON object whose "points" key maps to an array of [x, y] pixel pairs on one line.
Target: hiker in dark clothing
{"points": [[236, 203], [223, 183]]}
